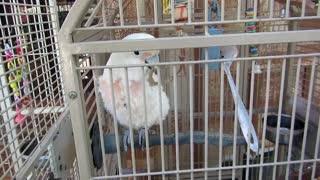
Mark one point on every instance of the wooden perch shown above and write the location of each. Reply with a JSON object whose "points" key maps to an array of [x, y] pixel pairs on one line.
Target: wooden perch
{"points": [[184, 138]]}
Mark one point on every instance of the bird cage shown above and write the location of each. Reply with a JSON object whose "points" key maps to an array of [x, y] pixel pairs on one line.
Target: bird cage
{"points": [[227, 68]]}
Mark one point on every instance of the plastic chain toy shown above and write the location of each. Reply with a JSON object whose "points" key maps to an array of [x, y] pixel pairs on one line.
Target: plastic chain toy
{"points": [[18, 73]]}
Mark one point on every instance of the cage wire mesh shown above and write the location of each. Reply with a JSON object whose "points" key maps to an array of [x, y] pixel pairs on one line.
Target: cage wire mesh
{"points": [[32, 94]]}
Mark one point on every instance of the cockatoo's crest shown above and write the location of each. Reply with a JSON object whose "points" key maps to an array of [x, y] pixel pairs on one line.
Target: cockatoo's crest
{"points": [[139, 36]]}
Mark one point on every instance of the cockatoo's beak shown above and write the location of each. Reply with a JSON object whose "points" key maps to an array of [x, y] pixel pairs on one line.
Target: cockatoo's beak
{"points": [[151, 57], [149, 54]]}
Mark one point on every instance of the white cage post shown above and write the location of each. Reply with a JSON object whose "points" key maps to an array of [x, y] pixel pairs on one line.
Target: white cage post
{"points": [[72, 89]]}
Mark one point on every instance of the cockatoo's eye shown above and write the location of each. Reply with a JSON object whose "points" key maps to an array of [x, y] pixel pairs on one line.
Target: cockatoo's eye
{"points": [[136, 53]]}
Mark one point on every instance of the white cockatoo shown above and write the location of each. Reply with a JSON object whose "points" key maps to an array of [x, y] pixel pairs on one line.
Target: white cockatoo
{"points": [[135, 81]]}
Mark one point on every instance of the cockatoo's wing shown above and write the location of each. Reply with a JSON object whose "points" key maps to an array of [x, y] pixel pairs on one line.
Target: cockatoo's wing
{"points": [[154, 116], [136, 102]]}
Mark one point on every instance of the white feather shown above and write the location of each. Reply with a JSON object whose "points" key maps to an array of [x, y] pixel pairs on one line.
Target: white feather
{"points": [[136, 92]]}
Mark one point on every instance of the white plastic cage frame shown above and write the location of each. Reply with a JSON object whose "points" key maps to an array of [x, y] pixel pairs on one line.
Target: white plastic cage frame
{"points": [[33, 110], [92, 33]]}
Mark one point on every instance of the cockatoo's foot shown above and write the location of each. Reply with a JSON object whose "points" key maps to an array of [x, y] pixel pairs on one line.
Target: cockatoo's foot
{"points": [[126, 139], [141, 137]]}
